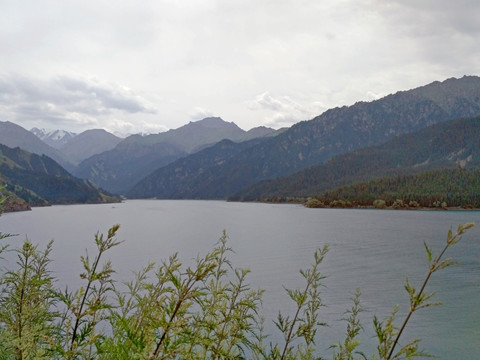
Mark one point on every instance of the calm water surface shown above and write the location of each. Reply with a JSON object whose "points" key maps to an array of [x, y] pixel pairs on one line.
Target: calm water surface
{"points": [[370, 249]]}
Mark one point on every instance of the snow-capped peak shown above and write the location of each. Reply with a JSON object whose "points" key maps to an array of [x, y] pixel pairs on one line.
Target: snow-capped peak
{"points": [[54, 138]]}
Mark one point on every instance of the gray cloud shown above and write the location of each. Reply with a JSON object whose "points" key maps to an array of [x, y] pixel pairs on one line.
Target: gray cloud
{"points": [[432, 18], [219, 55], [104, 97], [67, 100]]}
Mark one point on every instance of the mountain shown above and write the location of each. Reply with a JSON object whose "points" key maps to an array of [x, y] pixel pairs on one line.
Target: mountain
{"points": [[338, 131], [13, 135], [447, 145], [117, 170], [260, 131], [39, 180], [88, 143], [194, 172], [77, 147], [54, 138], [195, 134]]}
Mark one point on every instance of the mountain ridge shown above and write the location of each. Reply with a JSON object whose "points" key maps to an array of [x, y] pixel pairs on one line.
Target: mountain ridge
{"points": [[338, 131], [89, 143], [40, 181], [137, 156], [13, 135], [188, 172], [450, 144], [280, 153], [54, 138]]}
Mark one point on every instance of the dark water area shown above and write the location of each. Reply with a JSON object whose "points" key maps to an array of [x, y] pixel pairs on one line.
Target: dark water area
{"points": [[371, 249]]}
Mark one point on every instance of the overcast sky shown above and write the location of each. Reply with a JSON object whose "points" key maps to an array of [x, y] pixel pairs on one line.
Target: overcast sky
{"points": [[147, 66]]}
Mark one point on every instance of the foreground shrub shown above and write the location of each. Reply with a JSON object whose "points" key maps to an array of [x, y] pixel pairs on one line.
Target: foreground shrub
{"points": [[206, 311]]}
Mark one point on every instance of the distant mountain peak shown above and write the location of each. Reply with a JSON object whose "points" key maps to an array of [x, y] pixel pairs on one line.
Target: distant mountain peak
{"points": [[54, 138], [13, 135], [211, 119], [213, 122], [89, 143]]}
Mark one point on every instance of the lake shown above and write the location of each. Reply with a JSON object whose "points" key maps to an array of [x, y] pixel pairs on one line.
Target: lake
{"points": [[371, 249]]}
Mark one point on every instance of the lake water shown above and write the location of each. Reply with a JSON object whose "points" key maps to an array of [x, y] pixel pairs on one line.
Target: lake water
{"points": [[371, 249]]}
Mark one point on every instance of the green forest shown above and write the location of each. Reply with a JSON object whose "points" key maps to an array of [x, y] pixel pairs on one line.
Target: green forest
{"points": [[449, 145], [458, 188], [37, 180]]}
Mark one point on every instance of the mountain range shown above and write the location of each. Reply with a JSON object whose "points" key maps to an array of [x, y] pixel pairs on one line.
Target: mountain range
{"points": [[54, 138], [13, 135], [64, 147], [41, 181], [137, 156], [337, 131], [87, 144], [447, 145], [215, 159]]}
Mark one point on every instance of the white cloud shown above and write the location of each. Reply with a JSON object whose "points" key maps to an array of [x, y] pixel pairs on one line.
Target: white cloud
{"points": [[373, 96], [283, 111], [127, 127], [199, 113], [217, 56], [72, 102]]}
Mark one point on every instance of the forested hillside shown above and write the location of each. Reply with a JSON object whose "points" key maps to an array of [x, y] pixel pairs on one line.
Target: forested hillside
{"points": [[39, 180], [192, 176], [337, 131], [433, 189], [446, 145]]}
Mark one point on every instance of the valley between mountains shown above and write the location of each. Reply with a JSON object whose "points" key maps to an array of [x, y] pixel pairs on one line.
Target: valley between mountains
{"points": [[415, 148]]}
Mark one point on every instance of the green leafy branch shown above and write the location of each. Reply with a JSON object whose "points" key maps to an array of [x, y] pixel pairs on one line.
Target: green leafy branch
{"points": [[387, 333]]}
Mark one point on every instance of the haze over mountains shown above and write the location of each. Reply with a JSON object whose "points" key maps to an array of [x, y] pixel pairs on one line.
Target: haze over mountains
{"points": [[37, 180], [14, 135], [137, 156], [337, 131], [88, 143], [215, 159]]}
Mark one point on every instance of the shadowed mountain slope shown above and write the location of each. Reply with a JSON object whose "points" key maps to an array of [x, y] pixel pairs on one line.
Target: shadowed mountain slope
{"points": [[337, 131], [137, 156], [449, 144], [39, 180], [181, 178], [13, 135]]}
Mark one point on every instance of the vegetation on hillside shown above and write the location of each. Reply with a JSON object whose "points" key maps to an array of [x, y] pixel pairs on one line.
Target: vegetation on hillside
{"points": [[196, 176], [449, 145], [430, 189], [13, 202], [40, 181], [169, 311], [308, 143]]}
